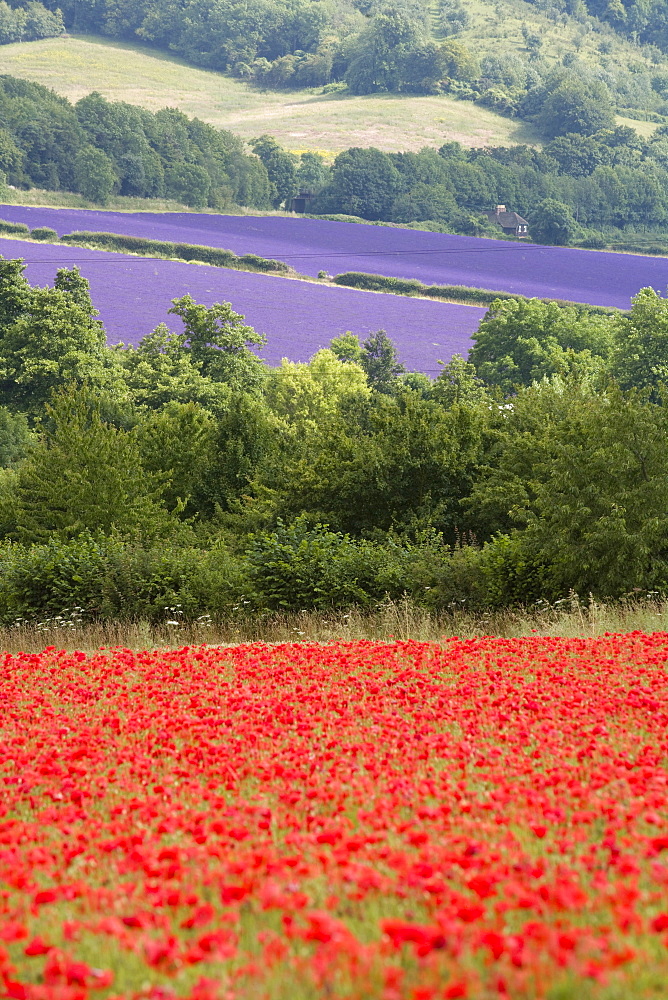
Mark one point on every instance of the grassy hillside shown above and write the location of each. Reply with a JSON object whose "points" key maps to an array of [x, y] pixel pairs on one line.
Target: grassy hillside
{"points": [[495, 29], [299, 119]]}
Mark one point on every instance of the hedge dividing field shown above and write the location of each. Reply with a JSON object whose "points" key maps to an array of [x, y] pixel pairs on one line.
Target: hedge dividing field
{"points": [[479, 819]]}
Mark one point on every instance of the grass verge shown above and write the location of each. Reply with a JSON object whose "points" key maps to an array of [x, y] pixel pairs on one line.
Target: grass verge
{"points": [[388, 621]]}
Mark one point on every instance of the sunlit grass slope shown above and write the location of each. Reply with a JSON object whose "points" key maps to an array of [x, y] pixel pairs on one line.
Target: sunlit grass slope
{"points": [[302, 119], [495, 28]]}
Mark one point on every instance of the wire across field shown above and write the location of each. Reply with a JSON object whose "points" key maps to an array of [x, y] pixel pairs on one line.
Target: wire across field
{"points": [[311, 245]]}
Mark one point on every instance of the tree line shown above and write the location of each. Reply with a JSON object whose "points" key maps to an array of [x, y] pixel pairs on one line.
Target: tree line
{"points": [[99, 148], [592, 183], [645, 22], [186, 472], [29, 22], [586, 189]]}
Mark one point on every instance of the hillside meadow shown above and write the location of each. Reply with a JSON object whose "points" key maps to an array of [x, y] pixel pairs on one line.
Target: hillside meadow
{"points": [[496, 27], [299, 119]]}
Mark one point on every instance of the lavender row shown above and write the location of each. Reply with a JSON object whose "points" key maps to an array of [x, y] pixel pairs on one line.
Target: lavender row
{"points": [[133, 295], [311, 245]]}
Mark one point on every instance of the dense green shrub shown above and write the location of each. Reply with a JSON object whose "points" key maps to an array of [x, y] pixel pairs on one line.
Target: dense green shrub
{"points": [[513, 574], [256, 263], [443, 577], [308, 566], [44, 233], [150, 583], [103, 578], [49, 579], [457, 293], [402, 286], [19, 228]]}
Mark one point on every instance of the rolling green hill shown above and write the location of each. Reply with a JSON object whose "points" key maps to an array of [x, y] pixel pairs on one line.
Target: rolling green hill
{"points": [[299, 119], [495, 29]]}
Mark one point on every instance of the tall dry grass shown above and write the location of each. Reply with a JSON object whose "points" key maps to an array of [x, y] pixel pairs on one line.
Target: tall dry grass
{"points": [[389, 620]]}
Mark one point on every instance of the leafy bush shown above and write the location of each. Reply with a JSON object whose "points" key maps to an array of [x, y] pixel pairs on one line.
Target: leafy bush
{"points": [[513, 573], [44, 233], [442, 578], [302, 566], [105, 579], [262, 264], [401, 286], [457, 293], [14, 227], [52, 578], [150, 583]]}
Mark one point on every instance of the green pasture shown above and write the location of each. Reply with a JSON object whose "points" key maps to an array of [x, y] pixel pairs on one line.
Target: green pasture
{"points": [[298, 119], [645, 129]]}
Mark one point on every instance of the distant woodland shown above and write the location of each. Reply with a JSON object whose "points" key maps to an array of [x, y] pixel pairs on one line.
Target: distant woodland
{"points": [[96, 147], [595, 185]]}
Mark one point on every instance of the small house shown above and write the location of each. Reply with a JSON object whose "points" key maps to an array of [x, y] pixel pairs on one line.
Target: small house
{"points": [[511, 223]]}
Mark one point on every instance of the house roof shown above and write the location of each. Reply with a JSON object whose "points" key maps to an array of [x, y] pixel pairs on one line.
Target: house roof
{"points": [[507, 220]]}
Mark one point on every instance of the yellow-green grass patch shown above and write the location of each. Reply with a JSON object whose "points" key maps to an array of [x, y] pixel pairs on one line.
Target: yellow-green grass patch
{"points": [[300, 119]]}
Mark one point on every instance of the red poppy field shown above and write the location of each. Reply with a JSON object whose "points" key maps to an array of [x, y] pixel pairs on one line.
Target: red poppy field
{"points": [[356, 821]]}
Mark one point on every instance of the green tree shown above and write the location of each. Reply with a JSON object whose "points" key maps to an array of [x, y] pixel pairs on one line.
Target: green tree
{"points": [[11, 157], [303, 395], [577, 106], [94, 175], [281, 167], [188, 183], [379, 361], [552, 222], [312, 173], [159, 371], [15, 291], [16, 437], [85, 476], [347, 347], [427, 66], [178, 444], [217, 341], [381, 49], [519, 440], [424, 201], [579, 155], [364, 182], [600, 522], [378, 463], [246, 438], [458, 383], [53, 340], [640, 357], [523, 340]]}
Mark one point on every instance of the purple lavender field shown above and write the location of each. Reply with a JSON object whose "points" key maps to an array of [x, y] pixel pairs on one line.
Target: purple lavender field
{"points": [[311, 245], [133, 295]]}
